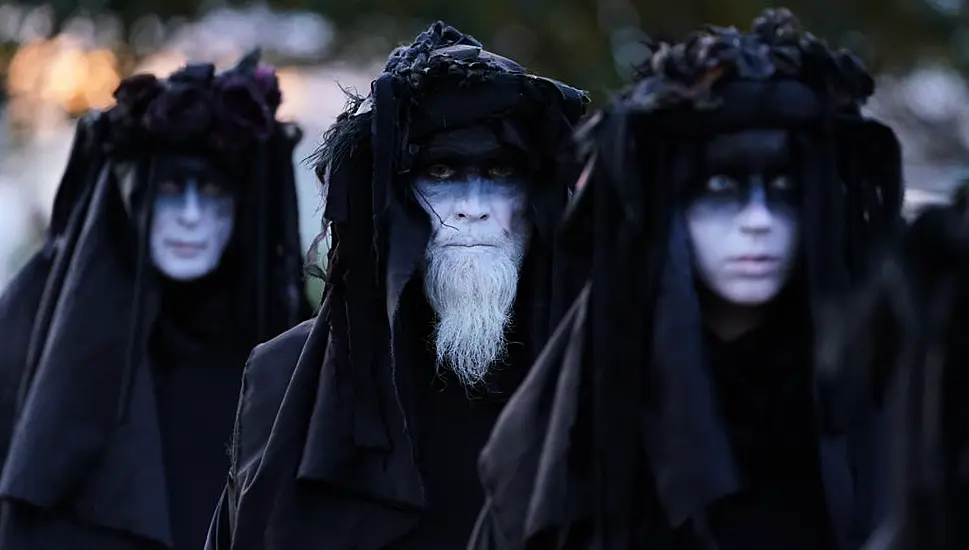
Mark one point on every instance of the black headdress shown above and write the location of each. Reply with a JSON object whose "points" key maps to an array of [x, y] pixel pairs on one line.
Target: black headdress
{"points": [[444, 80], [631, 365], [77, 403]]}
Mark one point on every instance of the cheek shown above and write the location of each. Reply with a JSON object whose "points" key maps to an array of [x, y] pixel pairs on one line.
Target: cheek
{"points": [[437, 201], [509, 211], [503, 214], [438, 207], [711, 212], [224, 208], [788, 231], [163, 216], [222, 221], [708, 227]]}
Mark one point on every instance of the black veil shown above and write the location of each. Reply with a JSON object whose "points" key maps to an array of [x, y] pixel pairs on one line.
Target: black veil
{"points": [[76, 425], [346, 379], [619, 403]]}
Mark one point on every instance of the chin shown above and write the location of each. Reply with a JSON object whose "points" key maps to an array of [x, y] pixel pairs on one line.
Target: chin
{"points": [[750, 293], [184, 271]]}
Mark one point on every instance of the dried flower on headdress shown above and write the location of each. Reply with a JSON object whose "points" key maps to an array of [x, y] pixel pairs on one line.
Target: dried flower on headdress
{"points": [[776, 48], [224, 112]]}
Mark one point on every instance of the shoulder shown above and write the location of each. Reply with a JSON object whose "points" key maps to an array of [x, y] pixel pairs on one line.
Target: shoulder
{"points": [[264, 382], [272, 363]]}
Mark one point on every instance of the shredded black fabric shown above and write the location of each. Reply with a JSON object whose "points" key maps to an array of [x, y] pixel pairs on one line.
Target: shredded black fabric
{"points": [[81, 314], [626, 224]]}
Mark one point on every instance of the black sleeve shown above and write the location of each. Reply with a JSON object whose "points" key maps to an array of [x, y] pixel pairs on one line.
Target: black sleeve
{"points": [[223, 521], [222, 526], [486, 535]]}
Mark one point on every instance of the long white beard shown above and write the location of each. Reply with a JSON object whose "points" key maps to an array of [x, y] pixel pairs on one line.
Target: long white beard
{"points": [[472, 291]]}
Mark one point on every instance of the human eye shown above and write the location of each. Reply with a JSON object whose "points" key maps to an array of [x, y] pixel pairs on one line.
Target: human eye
{"points": [[501, 171], [720, 184], [440, 171], [782, 183], [169, 187], [211, 189]]}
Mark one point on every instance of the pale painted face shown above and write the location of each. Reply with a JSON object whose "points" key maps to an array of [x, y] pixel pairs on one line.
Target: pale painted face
{"points": [[743, 218], [477, 207], [191, 225]]}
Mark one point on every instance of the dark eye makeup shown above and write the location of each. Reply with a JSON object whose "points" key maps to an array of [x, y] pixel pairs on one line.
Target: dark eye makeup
{"points": [[440, 171]]}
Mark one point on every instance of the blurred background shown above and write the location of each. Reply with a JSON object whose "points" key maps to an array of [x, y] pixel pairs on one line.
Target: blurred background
{"points": [[63, 57]]}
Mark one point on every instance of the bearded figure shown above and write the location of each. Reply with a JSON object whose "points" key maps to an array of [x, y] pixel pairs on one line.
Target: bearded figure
{"points": [[733, 192], [172, 250], [361, 429]]}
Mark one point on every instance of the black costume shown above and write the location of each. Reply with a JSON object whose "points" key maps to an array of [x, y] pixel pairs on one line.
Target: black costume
{"points": [[341, 421], [119, 385], [637, 428], [906, 335]]}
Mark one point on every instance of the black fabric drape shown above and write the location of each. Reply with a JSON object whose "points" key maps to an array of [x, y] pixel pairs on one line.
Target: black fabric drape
{"points": [[645, 449], [82, 428], [337, 463]]}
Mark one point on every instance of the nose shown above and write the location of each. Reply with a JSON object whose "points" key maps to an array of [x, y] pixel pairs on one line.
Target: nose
{"points": [[756, 217], [191, 212], [472, 207]]}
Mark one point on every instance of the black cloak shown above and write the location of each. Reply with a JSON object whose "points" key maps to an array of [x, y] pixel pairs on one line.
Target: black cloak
{"points": [[96, 341], [906, 334], [324, 452], [614, 440]]}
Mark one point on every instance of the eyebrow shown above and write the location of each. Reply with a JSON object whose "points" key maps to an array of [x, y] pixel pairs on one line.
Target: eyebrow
{"points": [[747, 161], [464, 153]]}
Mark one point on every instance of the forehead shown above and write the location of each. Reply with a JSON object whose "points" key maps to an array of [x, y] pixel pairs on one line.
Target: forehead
{"points": [[475, 143], [180, 167], [750, 149]]}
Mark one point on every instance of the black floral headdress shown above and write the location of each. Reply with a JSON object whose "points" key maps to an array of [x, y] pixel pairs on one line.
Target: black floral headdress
{"points": [[195, 107], [718, 78], [776, 48]]}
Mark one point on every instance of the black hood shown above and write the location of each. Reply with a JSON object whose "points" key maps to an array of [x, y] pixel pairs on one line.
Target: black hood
{"points": [[720, 80], [79, 316], [643, 355], [443, 80]]}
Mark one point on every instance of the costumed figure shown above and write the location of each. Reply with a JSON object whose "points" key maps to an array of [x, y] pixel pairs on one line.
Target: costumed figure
{"points": [[905, 334], [173, 249], [361, 429], [732, 192]]}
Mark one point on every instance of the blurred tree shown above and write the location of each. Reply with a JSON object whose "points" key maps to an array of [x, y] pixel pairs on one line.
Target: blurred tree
{"points": [[593, 43]]}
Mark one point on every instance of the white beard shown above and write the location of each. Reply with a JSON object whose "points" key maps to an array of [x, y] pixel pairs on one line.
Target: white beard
{"points": [[472, 291]]}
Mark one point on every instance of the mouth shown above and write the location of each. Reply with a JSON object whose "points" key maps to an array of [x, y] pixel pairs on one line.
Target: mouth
{"points": [[185, 249], [752, 265], [469, 245]]}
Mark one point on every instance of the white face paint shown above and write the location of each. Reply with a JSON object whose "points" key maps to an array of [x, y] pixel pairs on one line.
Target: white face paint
{"points": [[190, 228], [480, 233], [743, 223]]}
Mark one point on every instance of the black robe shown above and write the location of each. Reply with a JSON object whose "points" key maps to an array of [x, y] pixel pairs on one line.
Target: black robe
{"points": [[910, 329], [541, 494], [118, 386], [196, 369], [418, 489], [195, 364], [763, 385]]}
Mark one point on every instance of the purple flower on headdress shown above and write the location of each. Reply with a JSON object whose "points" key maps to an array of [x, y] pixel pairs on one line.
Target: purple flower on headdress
{"points": [[136, 93], [241, 112], [183, 112], [847, 78], [268, 86]]}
